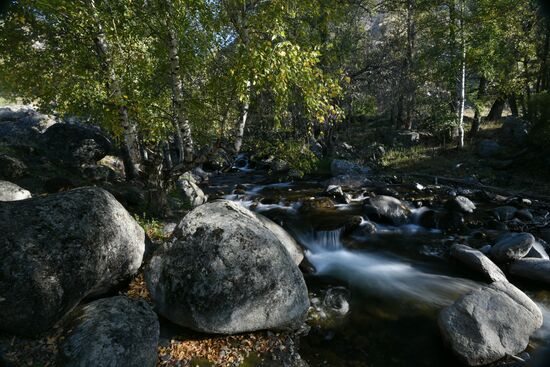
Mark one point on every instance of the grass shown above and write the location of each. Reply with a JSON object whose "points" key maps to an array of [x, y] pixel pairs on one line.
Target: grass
{"points": [[151, 226], [527, 174]]}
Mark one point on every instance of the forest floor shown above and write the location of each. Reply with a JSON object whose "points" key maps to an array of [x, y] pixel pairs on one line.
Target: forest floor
{"points": [[525, 173]]}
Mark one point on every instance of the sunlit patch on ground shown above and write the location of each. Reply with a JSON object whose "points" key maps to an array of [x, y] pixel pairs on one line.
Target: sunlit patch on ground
{"points": [[224, 351], [138, 289]]}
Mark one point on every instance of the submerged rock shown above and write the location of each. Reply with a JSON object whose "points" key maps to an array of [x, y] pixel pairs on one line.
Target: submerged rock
{"points": [[505, 213], [490, 323], [224, 271], [59, 249], [12, 192], [525, 215], [427, 217], [336, 192], [316, 204], [478, 262], [533, 269], [386, 208], [358, 227], [512, 246], [110, 332]]}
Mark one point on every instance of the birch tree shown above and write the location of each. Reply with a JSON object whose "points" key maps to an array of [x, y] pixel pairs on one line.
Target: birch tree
{"points": [[131, 144]]}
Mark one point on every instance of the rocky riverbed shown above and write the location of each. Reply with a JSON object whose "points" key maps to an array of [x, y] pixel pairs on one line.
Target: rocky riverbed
{"points": [[348, 269]]}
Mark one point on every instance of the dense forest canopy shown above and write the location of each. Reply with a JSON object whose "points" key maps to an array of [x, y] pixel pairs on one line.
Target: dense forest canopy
{"points": [[199, 75]]}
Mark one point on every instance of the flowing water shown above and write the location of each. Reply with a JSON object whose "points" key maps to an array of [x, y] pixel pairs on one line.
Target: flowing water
{"points": [[375, 297]]}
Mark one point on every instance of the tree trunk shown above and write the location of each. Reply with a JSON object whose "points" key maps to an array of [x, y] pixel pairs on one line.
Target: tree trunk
{"points": [[481, 91], [167, 156], [453, 57], [400, 108], [240, 24], [241, 124], [409, 82], [462, 93], [496, 110], [131, 155], [184, 137], [542, 79], [527, 86], [513, 103]]}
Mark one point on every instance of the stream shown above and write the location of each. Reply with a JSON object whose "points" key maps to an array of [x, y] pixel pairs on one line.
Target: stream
{"points": [[376, 292]]}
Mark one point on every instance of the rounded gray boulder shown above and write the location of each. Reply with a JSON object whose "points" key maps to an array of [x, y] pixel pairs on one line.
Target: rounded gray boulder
{"points": [[512, 246], [490, 323], [225, 272], [533, 269], [12, 192], [387, 209], [460, 204], [111, 332], [478, 262], [59, 249]]}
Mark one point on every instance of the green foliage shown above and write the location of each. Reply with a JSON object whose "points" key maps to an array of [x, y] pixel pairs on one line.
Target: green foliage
{"points": [[364, 105], [151, 226], [539, 113], [296, 64], [294, 152], [48, 55]]}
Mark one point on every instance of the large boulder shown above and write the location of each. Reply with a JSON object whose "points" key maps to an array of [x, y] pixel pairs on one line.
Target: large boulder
{"points": [[192, 193], [533, 269], [514, 131], [342, 167], [225, 272], [59, 249], [290, 244], [403, 138], [111, 332], [11, 168], [478, 262], [22, 127], [12, 192], [512, 246], [490, 323], [75, 144], [387, 209], [488, 148]]}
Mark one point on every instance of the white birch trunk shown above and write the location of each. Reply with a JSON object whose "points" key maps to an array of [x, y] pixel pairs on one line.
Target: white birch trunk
{"points": [[242, 122], [129, 131], [183, 129], [462, 94]]}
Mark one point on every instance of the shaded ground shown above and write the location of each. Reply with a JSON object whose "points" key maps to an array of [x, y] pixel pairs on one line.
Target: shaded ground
{"points": [[514, 169]]}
